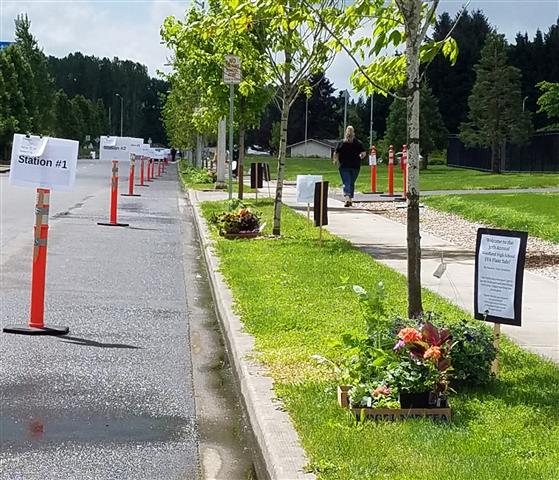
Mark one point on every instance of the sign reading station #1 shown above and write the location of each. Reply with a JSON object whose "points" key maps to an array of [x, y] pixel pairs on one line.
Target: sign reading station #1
{"points": [[43, 162], [499, 275]]}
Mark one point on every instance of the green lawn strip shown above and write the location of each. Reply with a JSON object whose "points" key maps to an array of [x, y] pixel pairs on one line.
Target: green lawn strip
{"points": [[286, 294], [187, 182], [536, 213], [436, 177]]}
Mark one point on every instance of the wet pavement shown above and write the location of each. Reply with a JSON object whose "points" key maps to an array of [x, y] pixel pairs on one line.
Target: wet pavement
{"points": [[114, 399]]}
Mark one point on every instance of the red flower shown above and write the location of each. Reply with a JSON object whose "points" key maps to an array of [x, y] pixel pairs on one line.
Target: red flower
{"points": [[409, 335], [381, 391], [432, 352]]}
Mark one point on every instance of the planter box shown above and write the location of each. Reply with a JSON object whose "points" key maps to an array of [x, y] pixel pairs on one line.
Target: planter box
{"points": [[391, 414], [233, 236]]}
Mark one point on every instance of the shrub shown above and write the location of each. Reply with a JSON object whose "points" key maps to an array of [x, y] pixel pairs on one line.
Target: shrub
{"points": [[243, 220]]}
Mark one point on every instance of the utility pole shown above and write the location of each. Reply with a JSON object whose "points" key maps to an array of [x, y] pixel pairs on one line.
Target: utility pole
{"points": [[121, 110]]}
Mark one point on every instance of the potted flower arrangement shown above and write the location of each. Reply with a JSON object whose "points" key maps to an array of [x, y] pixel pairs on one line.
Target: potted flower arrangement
{"points": [[422, 373], [242, 223]]}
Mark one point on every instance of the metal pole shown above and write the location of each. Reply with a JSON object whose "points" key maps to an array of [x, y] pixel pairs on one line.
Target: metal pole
{"points": [[371, 124], [306, 122], [231, 112], [121, 113], [524, 103], [110, 122]]}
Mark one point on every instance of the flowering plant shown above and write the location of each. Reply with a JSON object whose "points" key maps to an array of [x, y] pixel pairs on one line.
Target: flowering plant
{"points": [[243, 220], [424, 359]]}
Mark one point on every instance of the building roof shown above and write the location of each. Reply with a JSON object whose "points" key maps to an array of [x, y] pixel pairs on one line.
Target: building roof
{"points": [[325, 143]]}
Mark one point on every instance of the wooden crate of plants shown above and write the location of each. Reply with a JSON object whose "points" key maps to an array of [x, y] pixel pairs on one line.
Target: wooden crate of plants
{"points": [[441, 414]]}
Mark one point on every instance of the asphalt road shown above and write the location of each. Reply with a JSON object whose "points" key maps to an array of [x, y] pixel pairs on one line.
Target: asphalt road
{"points": [[114, 399]]}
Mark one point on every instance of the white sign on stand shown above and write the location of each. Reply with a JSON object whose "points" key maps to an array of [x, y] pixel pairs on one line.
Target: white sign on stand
{"points": [[372, 160], [136, 145], [146, 150], [114, 148], [305, 187], [499, 270], [43, 162]]}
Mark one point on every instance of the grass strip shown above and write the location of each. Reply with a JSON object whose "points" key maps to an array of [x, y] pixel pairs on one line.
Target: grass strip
{"points": [[436, 177], [286, 293], [536, 213]]}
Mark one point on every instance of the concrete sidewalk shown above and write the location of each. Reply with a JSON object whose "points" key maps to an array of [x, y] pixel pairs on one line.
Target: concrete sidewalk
{"points": [[385, 240]]}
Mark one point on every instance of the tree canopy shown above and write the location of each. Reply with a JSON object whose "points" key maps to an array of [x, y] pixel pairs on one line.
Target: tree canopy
{"points": [[495, 103]]}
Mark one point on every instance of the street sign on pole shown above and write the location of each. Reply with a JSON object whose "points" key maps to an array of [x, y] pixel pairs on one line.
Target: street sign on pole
{"points": [[232, 70], [231, 77]]}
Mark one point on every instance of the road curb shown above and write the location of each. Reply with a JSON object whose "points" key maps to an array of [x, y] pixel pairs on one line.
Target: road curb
{"points": [[279, 448]]}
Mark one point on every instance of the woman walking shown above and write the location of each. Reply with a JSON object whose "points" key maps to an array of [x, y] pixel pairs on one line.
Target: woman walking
{"points": [[350, 152]]}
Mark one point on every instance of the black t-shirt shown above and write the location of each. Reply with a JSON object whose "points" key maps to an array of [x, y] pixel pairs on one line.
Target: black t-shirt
{"points": [[349, 153]]}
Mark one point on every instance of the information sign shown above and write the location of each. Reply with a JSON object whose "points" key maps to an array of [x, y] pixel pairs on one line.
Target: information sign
{"points": [[232, 70], [43, 162], [305, 187], [114, 148], [499, 273]]}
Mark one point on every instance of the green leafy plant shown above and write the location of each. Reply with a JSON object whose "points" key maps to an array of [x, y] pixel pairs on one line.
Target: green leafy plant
{"points": [[241, 221], [424, 359], [473, 352]]}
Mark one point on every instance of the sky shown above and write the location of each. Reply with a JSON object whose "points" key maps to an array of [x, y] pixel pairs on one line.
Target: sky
{"points": [[129, 29]]}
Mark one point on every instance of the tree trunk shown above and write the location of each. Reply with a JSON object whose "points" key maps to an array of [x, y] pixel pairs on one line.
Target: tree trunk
{"points": [[240, 165], [495, 160], [281, 164], [412, 16]]}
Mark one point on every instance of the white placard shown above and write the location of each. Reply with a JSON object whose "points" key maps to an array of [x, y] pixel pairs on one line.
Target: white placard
{"points": [[157, 153], [146, 150], [232, 70], [114, 148], [497, 262], [136, 145], [305, 187], [44, 162], [372, 160]]}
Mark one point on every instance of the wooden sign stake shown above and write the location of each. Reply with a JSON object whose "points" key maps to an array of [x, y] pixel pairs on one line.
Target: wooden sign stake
{"points": [[321, 212], [496, 343], [308, 213]]}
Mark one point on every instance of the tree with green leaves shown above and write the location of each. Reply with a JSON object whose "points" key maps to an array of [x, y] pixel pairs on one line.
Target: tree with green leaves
{"points": [[40, 94], [295, 48], [549, 101], [495, 115], [15, 116], [452, 84], [398, 23], [433, 131], [199, 45]]}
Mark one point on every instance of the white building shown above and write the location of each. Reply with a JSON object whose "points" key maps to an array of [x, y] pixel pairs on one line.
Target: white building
{"points": [[312, 148]]}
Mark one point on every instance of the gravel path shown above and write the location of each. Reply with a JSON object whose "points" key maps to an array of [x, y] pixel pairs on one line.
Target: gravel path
{"points": [[542, 256]]}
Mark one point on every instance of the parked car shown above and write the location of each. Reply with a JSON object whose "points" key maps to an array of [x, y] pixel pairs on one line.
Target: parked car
{"points": [[398, 158]]}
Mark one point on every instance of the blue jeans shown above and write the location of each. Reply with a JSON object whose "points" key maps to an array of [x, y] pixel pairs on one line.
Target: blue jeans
{"points": [[349, 176]]}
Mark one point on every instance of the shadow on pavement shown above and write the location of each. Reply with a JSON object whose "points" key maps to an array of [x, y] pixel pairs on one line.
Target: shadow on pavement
{"points": [[92, 343]]}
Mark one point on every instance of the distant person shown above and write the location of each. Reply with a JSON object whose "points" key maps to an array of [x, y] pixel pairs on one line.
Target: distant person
{"points": [[350, 152], [173, 154]]}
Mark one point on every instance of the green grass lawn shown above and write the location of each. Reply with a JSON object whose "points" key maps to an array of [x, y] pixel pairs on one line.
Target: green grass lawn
{"points": [[536, 213], [286, 293], [436, 177]]}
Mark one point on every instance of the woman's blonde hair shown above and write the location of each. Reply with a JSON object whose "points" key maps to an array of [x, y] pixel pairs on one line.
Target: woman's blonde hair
{"points": [[349, 134]]}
